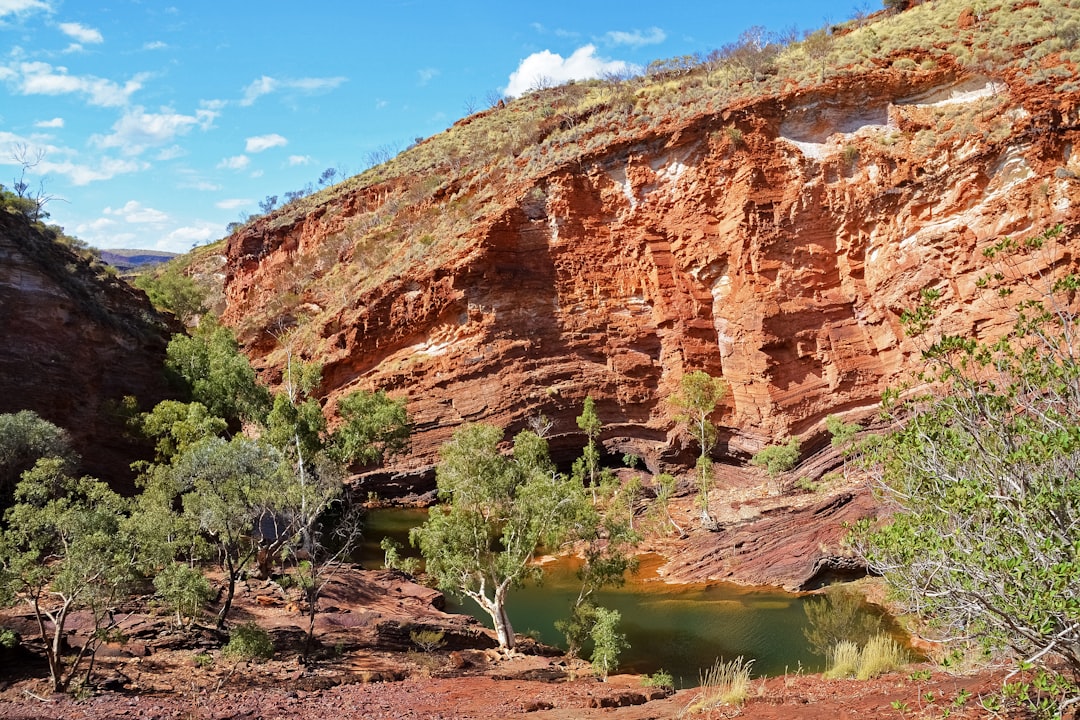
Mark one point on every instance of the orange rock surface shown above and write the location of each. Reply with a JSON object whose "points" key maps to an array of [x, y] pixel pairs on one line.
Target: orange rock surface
{"points": [[774, 243]]}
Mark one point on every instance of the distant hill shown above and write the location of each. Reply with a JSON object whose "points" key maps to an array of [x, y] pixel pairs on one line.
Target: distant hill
{"points": [[125, 260]]}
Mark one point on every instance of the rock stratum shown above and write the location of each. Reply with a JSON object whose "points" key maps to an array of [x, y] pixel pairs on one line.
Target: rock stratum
{"points": [[774, 241], [73, 344]]}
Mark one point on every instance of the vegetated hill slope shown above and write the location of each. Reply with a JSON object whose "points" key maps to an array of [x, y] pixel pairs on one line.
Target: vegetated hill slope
{"points": [[767, 222], [125, 260], [73, 343]]}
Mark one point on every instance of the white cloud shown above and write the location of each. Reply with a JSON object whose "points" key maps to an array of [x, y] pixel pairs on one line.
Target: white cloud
{"points": [[266, 85], [233, 203], [170, 153], [259, 143], [138, 130], [134, 212], [56, 122], [40, 78], [546, 68], [637, 38], [154, 45], [184, 238], [81, 33], [82, 174], [236, 162], [16, 7], [426, 75], [295, 160]]}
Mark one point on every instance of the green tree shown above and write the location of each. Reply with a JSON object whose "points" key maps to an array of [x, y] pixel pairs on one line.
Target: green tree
{"points": [[209, 365], [25, 438], [697, 400], [587, 467], [375, 426], [177, 426], [63, 550], [984, 476], [498, 512], [777, 459], [169, 289], [234, 491], [608, 642]]}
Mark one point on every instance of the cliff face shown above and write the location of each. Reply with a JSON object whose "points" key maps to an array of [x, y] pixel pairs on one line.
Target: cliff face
{"points": [[773, 242], [73, 344]]}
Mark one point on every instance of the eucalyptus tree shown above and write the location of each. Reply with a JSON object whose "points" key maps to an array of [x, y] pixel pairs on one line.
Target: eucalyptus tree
{"points": [[62, 550], [699, 394], [498, 512]]}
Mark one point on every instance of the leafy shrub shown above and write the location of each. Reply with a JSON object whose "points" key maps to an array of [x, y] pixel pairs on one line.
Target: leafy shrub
{"points": [[661, 679], [184, 589], [428, 640], [249, 642], [608, 642]]}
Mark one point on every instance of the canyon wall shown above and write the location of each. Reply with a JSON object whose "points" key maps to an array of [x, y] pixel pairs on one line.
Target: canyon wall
{"points": [[774, 243], [73, 344]]}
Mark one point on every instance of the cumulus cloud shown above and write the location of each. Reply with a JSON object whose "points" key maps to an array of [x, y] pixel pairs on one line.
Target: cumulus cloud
{"points": [[134, 212], [307, 86], [636, 38], [41, 78], [295, 160], [56, 122], [259, 143], [236, 162], [154, 45], [546, 68], [233, 203], [81, 33], [84, 174], [184, 238], [138, 129]]}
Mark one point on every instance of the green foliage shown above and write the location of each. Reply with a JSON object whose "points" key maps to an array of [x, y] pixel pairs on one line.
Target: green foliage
{"points": [[661, 679], [249, 642], [499, 511], [227, 488], [697, 400], [393, 558], [608, 643], [587, 467], [838, 615], [983, 476], [178, 426], [842, 433], [25, 438], [9, 639], [169, 289], [375, 426], [211, 368], [776, 459], [184, 589], [62, 548]]}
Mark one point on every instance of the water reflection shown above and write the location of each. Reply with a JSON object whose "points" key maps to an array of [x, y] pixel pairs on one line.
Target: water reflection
{"points": [[680, 628]]}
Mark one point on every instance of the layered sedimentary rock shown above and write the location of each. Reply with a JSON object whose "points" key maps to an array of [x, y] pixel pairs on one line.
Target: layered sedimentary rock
{"points": [[73, 344], [774, 243]]}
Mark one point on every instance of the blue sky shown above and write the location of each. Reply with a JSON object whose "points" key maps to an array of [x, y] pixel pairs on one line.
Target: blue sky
{"points": [[157, 124]]}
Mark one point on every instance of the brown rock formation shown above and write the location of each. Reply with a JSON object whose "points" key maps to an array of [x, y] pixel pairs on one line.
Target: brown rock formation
{"points": [[773, 242], [73, 344]]}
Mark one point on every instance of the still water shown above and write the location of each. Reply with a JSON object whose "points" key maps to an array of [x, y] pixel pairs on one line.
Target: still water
{"points": [[679, 628]]}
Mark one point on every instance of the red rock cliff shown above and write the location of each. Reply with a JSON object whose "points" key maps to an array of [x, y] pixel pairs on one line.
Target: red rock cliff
{"points": [[73, 344], [773, 242]]}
